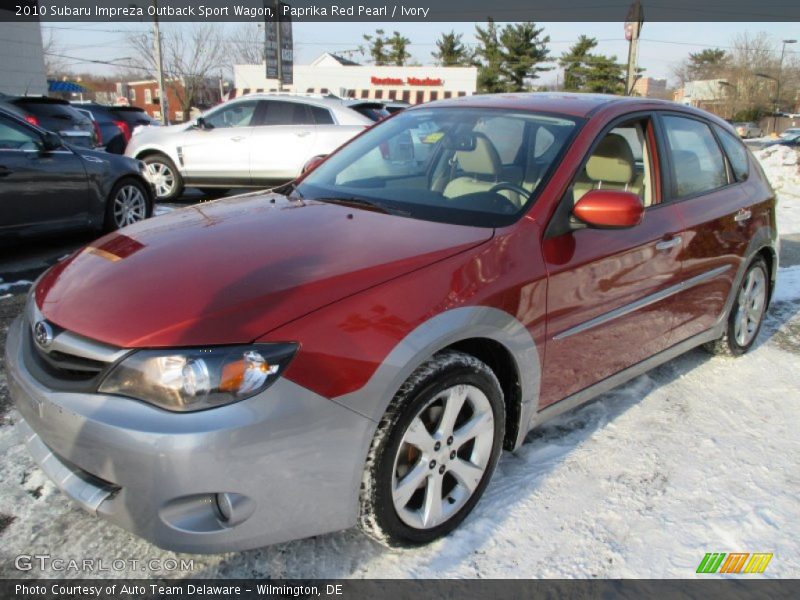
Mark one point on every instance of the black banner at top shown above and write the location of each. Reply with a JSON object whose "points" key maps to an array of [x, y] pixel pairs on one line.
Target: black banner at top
{"points": [[132, 11]]}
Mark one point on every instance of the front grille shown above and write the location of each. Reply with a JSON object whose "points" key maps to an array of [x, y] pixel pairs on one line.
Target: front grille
{"points": [[69, 362]]}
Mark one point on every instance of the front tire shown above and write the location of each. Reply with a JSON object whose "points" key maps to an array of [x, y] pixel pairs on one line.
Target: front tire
{"points": [[747, 313], [128, 203], [165, 177], [434, 451]]}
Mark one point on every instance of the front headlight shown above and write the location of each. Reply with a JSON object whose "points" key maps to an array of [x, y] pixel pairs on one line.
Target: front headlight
{"points": [[195, 379]]}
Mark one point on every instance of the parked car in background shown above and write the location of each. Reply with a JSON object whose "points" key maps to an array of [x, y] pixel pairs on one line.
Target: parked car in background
{"points": [[47, 185], [359, 346], [255, 140], [116, 123], [789, 138], [747, 130], [395, 106], [54, 114], [374, 111]]}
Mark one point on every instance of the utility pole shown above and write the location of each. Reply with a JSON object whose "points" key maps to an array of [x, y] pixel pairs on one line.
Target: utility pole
{"points": [[633, 27], [778, 86], [162, 96], [280, 45]]}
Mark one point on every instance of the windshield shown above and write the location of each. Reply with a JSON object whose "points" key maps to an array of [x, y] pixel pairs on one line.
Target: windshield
{"points": [[456, 165]]}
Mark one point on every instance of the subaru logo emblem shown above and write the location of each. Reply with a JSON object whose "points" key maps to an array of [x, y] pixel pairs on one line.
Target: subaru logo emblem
{"points": [[43, 334]]}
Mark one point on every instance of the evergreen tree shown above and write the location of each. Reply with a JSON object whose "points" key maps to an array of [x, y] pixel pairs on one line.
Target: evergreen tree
{"points": [[451, 52], [523, 50], [488, 58], [574, 63], [398, 49], [588, 72], [377, 48]]}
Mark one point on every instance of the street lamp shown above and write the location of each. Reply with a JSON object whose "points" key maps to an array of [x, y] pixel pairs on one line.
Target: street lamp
{"points": [[777, 81]]}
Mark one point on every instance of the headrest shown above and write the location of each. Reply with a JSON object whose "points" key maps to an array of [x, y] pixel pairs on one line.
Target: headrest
{"points": [[612, 161], [482, 159]]}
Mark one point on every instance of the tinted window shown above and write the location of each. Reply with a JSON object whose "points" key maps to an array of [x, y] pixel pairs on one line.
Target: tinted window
{"points": [[374, 112], [322, 116], [239, 114], [697, 160], [286, 113], [16, 137], [50, 109], [737, 153]]}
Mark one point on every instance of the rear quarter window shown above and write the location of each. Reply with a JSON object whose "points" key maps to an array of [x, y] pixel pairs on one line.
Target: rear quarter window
{"points": [[737, 153]]}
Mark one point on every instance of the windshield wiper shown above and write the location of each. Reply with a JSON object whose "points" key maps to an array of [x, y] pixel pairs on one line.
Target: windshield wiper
{"points": [[362, 203], [290, 190]]}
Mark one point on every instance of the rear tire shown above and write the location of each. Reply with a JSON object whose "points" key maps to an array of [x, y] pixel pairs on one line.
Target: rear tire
{"points": [[747, 313], [434, 451], [165, 177]]}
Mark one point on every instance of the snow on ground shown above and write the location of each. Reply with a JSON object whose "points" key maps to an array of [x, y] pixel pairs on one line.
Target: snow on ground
{"points": [[700, 455]]}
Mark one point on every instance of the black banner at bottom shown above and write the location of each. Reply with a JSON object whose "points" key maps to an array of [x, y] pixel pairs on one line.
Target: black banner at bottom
{"points": [[395, 589]]}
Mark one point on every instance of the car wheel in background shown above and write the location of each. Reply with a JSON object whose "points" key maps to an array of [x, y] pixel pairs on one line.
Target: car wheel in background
{"points": [[128, 203], [434, 451], [747, 313], [164, 176]]}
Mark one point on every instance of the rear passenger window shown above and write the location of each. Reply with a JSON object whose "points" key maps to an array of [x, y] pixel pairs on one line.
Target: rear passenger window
{"points": [[322, 116], [697, 162], [286, 113], [737, 153]]}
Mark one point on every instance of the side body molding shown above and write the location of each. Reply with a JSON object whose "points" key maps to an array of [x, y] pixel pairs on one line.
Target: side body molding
{"points": [[440, 332]]}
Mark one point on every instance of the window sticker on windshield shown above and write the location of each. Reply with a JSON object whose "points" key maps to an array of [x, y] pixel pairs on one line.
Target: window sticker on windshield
{"points": [[432, 138]]}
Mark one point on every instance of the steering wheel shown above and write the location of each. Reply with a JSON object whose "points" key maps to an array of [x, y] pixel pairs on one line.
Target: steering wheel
{"points": [[505, 185]]}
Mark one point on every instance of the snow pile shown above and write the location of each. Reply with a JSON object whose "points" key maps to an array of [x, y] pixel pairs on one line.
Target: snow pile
{"points": [[780, 164]]}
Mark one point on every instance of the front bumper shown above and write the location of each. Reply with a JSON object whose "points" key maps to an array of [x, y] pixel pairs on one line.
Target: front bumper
{"points": [[290, 459]]}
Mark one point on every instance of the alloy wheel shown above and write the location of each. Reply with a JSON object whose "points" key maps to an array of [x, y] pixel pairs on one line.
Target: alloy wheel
{"points": [[443, 456], [130, 206], [752, 302], [162, 178]]}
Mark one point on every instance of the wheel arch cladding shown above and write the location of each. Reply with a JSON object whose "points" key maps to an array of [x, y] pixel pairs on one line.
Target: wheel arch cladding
{"points": [[489, 334]]}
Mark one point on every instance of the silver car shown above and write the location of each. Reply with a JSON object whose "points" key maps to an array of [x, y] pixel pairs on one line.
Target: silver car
{"points": [[255, 140]]}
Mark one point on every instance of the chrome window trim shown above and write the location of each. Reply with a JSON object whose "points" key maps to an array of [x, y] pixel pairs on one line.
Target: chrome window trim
{"points": [[641, 303]]}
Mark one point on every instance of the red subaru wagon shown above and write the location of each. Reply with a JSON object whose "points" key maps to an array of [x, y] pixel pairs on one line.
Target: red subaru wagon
{"points": [[358, 346]]}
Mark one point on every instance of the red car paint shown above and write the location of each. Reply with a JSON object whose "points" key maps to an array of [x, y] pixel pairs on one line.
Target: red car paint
{"points": [[350, 284]]}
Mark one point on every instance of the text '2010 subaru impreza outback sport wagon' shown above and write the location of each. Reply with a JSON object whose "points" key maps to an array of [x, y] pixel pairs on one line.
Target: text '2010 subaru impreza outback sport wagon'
{"points": [[358, 346]]}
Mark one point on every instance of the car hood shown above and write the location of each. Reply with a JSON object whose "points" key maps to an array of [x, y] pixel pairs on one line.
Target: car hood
{"points": [[229, 271]]}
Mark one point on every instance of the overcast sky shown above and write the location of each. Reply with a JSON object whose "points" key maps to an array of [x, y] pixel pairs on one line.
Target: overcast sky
{"points": [[662, 44]]}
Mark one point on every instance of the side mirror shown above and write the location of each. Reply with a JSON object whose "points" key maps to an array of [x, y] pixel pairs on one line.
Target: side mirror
{"points": [[609, 209], [200, 123], [312, 163], [51, 141]]}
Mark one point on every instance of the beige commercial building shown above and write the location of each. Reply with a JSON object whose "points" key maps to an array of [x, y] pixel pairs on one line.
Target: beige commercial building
{"points": [[337, 75]]}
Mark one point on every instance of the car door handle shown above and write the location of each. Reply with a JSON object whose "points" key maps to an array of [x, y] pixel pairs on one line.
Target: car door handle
{"points": [[302, 133], [237, 138], [669, 244], [5, 171], [743, 215]]}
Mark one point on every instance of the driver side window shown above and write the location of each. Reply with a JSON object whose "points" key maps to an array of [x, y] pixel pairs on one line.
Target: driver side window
{"points": [[239, 114], [17, 137], [621, 161]]}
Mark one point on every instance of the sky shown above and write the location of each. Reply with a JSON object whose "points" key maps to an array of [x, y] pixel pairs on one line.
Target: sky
{"points": [[662, 45]]}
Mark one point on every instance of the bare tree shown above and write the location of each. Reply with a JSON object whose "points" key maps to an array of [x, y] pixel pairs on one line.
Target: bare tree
{"points": [[247, 45], [191, 56], [55, 65]]}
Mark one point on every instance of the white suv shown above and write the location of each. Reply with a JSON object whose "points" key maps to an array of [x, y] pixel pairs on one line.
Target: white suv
{"points": [[255, 140]]}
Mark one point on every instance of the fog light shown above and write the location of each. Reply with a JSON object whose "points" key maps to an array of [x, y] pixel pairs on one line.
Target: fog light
{"points": [[224, 506]]}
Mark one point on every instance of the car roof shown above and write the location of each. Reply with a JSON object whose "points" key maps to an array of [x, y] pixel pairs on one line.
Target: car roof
{"points": [[318, 99], [37, 100], [565, 103]]}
